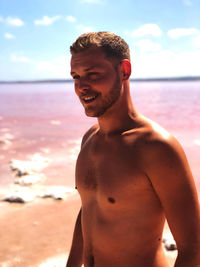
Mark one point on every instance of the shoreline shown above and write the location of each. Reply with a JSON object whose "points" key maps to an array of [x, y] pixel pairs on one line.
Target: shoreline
{"points": [[149, 79]]}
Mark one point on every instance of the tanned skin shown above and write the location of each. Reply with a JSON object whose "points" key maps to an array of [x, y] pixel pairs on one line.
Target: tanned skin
{"points": [[131, 175]]}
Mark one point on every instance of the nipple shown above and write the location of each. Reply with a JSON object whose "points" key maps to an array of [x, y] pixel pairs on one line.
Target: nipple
{"points": [[111, 200]]}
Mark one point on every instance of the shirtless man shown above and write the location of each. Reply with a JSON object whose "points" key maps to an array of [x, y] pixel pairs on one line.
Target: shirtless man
{"points": [[131, 174]]}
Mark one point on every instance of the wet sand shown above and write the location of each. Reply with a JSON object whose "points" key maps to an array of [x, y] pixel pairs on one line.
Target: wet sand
{"points": [[32, 233]]}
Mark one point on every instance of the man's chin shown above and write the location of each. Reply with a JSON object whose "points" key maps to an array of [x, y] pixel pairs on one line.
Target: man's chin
{"points": [[93, 113]]}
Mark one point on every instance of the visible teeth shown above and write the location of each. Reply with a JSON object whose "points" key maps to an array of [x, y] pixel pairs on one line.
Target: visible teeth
{"points": [[89, 98]]}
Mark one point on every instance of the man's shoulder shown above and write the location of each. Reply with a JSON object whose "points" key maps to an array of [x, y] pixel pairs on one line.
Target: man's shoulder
{"points": [[151, 139], [147, 131], [156, 146], [89, 133], [155, 135]]}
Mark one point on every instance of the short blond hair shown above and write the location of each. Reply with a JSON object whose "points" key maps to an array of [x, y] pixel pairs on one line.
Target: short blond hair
{"points": [[112, 45]]}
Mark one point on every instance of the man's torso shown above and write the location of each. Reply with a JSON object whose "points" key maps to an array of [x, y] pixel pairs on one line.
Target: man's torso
{"points": [[122, 217]]}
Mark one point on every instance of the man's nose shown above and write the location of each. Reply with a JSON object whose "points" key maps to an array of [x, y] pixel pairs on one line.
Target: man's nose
{"points": [[81, 85]]}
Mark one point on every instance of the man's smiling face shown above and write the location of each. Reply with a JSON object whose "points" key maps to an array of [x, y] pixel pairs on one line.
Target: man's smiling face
{"points": [[97, 81]]}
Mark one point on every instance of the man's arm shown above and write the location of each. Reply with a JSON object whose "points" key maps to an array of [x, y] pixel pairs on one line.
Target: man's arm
{"points": [[76, 253], [168, 170]]}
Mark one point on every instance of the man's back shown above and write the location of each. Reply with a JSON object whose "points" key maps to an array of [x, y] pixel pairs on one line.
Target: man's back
{"points": [[122, 217]]}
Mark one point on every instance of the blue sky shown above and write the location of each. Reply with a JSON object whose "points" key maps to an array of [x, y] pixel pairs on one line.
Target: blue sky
{"points": [[35, 35]]}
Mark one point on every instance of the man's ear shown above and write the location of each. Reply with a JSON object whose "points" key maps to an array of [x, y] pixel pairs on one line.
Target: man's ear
{"points": [[125, 69]]}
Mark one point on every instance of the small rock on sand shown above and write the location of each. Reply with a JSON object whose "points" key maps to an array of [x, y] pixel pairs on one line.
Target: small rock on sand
{"points": [[169, 242], [19, 197], [57, 192], [27, 194]]}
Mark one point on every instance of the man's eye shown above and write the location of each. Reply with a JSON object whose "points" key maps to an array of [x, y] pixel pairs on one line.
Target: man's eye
{"points": [[93, 75], [75, 77]]}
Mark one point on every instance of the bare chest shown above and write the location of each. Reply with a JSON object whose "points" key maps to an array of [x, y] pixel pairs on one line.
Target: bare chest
{"points": [[110, 171]]}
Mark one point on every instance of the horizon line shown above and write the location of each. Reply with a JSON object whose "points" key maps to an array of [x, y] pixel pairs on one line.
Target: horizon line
{"points": [[177, 78]]}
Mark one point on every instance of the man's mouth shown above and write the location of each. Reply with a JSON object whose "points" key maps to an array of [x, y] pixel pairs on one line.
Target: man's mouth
{"points": [[89, 99]]}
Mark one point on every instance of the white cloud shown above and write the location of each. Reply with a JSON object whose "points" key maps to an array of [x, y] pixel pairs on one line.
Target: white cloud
{"points": [[147, 30], [70, 18], [196, 41], [166, 63], [1, 19], [84, 29], [148, 45], [19, 58], [180, 32], [14, 21], [44, 65], [187, 2], [188, 62], [9, 35], [47, 20], [58, 68], [153, 64]]}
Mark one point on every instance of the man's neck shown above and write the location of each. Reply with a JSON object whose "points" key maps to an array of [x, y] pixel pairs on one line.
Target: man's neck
{"points": [[120, 117]]}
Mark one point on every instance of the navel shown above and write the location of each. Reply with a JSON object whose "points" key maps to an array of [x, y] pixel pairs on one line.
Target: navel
{"points": [[111, 200]]}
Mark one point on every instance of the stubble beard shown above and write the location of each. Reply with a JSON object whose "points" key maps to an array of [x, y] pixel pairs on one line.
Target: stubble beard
{"points": [[107, 102]]}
